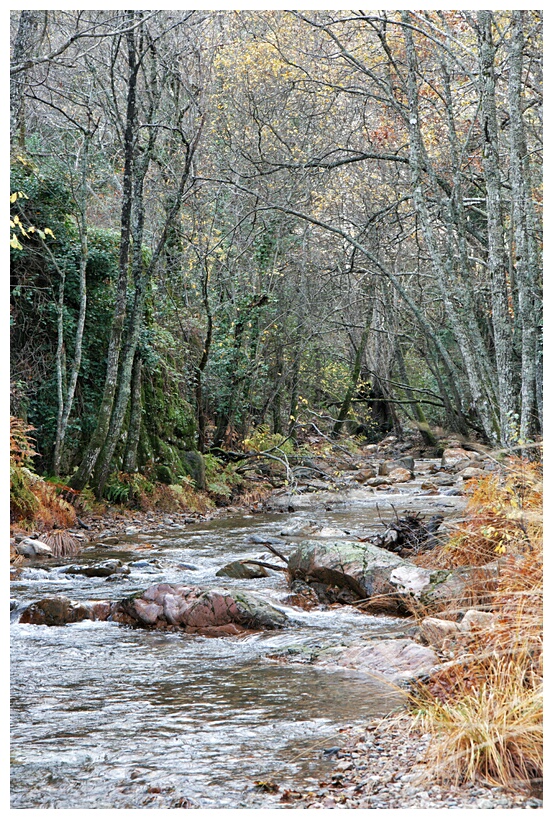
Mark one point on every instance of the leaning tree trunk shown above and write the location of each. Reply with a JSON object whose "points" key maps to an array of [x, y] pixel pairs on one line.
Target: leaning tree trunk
{"points": [[100, 433], [354, 380], [66, 406]]}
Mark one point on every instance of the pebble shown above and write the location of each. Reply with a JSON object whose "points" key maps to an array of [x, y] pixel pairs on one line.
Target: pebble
{"points": [[386, 771]]}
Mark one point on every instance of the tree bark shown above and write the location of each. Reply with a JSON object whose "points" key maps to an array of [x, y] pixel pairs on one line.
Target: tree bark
{"points": [[526, 275], [22, 50], [100, 433], [502, 324], [66, 406], [352, 387], [135, 420]]}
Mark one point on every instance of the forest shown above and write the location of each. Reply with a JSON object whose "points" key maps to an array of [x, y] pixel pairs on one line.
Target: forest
{"points": [[242, 219], [251, 250]]}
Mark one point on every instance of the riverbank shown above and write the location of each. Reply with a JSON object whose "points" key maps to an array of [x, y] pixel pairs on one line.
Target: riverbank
{"points": [[385, 767]]}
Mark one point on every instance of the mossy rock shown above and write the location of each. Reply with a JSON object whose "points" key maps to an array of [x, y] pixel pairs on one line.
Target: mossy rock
{"points": [[193, 464], [164, 475]]}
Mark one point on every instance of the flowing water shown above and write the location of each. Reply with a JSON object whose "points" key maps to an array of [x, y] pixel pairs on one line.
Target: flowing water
{"points": [[104, 716]]}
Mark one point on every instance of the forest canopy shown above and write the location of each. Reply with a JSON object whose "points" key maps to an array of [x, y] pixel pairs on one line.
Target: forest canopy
{"points": [[229, 223]]}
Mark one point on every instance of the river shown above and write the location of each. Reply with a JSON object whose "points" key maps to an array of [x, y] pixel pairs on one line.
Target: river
{"points": [[104, 716]]}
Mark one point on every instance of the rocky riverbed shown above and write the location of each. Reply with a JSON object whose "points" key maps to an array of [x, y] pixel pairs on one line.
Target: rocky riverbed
{"points": [[166, 574], [383, 766]]}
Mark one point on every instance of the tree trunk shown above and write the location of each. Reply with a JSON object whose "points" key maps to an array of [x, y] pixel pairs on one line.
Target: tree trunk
{"points": [[100, 433], [23, 47], [525, 276], [352, 387], [502, 324], [135, 420], [468, 343], [67, 405], [424, 428]]}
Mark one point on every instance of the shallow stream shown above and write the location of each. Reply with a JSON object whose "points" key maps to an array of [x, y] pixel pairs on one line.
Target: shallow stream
{"points": [[104, 716]]}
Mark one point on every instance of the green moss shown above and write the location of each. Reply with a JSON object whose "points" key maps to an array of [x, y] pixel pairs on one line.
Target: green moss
{"points": [[23, 504]]}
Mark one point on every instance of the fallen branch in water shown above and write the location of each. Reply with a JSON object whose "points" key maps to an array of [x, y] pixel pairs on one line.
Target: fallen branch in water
{"points": [[276, 552], [266, 565]]}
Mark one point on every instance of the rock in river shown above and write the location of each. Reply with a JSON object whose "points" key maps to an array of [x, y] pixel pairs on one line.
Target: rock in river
{"points": [[104, 569], [213, 612], [242, 570], [30, 547], [56, 611], [398, 661], [197, 610], [345, 571]]}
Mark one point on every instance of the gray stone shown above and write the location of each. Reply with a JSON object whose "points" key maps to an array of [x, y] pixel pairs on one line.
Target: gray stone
{"points": [[397, 661], [105, 569], [472, 472], [475, 620], [406, 462], [451, 457], [33, 548], [438, 632], [242, 570]]}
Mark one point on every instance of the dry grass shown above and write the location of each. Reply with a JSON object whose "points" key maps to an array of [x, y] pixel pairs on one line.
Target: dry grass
{"points": [[504, 517], [491, 730], [62, 543], [484, 709]]}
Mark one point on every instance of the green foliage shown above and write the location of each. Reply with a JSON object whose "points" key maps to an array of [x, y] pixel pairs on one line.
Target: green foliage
{"points": [[221, 480], [127, 488], [263, 439], [23, 503]]}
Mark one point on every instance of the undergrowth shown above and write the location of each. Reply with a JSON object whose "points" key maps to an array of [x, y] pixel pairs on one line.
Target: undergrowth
{"points": [[484, 708], [34, 502]]}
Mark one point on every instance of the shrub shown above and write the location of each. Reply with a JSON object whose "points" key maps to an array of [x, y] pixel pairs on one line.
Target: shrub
{"points": [[127, 488], [484, 709]]}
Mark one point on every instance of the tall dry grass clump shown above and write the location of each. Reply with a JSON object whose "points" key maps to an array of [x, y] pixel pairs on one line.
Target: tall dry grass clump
{"points": [[484, 708]]}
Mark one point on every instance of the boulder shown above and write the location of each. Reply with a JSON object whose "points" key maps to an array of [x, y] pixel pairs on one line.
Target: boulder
{"points": [[300, 528], [197, 611], [438, 632], [407, 463], [348, 571], [214, 612], [451, 457], [56, 611], [344, 571], [397, 661], [472, 472], [365, 474], [104, 569], [29, 547], [242, 570], [399, 475], [443, 480], [378, 482], [475, 620]]}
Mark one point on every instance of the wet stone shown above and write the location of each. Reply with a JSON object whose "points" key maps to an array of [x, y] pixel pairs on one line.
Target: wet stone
{"points": [[105, 569], [242, 570]]}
